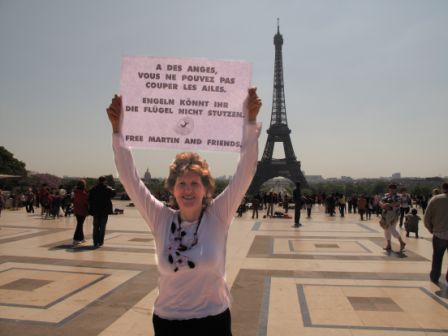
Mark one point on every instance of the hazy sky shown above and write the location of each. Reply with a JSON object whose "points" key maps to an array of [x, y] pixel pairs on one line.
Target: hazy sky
{"points": [[366, 81]]}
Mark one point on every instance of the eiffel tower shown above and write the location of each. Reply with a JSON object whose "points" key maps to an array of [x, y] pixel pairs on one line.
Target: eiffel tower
{"points": [[278, 131]]}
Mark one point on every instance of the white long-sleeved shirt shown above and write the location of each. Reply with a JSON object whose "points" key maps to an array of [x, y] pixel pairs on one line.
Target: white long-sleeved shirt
{"points": [[200, 291]]}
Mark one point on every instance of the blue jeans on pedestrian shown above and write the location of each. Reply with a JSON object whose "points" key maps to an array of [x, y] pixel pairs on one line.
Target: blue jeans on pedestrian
{"points": [[99, 229], [439, 247]]}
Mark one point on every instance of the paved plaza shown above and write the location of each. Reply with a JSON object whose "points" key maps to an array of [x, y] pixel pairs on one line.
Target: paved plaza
{"points": [[328, 277]]}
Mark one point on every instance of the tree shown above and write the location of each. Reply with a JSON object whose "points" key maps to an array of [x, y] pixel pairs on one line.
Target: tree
{"points": [[10, 165], [36, 180]]}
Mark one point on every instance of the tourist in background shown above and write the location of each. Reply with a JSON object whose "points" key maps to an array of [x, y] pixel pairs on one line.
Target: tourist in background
{"points": [[100, 207], [341, 204], [298, 202], [405, 204], [286, 203], [256, 202], [362, 206], [81, 210], [44, 200], [390, 205], [29, 200], [330, 204], [436, 221], [270, 202], [308, 205]]}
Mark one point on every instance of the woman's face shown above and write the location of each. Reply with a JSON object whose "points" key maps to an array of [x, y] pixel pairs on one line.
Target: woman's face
{"points": [[189, 191]]}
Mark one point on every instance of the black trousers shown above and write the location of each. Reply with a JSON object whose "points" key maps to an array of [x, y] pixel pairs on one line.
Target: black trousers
{"points": [[297, 209], [217, 325], [79, 232], [99, 229], [439, 247]]}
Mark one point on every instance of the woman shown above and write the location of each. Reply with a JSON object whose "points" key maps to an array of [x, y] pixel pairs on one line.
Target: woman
{"points": [[190, 242], [81, 210], [389, 218]]}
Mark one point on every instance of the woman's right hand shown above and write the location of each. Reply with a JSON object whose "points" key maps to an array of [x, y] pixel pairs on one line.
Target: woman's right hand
{"points": [[114, 113]]}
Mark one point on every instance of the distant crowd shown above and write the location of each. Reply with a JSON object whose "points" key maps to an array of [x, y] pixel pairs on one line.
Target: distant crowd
{"points": [[52, 202], [334, 203], [58, 202]]}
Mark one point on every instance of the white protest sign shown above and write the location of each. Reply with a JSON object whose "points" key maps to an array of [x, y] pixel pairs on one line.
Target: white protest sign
{"points": [[195, 104]]}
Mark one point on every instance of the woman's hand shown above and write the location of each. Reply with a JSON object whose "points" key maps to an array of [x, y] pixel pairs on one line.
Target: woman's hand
{"points": [[114, 113], [253, 104]]}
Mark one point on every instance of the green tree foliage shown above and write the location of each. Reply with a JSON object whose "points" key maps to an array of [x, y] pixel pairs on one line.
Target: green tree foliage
{"points": [[10, 165]]}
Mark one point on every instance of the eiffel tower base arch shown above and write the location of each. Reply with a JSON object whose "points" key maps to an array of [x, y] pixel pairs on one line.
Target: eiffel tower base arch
{"points": [[267, 170]]}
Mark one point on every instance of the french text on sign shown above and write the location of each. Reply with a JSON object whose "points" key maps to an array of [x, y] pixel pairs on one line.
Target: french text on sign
{"points": [[193, 104]]}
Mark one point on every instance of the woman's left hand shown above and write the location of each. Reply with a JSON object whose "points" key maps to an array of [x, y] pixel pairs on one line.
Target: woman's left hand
{"points": [[253, 104]]}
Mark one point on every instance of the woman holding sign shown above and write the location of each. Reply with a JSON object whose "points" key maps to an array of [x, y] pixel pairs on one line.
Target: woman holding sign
{"points": [[194, 298]]}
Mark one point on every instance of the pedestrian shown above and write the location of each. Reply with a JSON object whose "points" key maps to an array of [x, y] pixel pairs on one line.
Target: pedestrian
{"points": [[100, 207], [330, 203], [341, 204], [308, 205], [81, 210], [193, 297], [242, 207], [265, 200], [286, 203], [256, 202], [55, 203], [362, 206], [29, 200], [44, 199], [405, 205], [354, 200], [390, 205], [436, 221], [298, 202], [424, 203], [270, 202]]}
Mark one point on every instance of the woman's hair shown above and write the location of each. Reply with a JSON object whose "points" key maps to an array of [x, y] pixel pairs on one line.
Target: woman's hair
{"points": [[81, 185], [191, 162]]}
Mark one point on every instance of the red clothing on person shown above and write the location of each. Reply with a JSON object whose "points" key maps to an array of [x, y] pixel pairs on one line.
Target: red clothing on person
{"points": [[81, 203]]}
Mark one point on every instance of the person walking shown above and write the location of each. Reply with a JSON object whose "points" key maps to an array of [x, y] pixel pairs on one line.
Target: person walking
{"points": [[270, 202], [308, 205], [29, 200], [193, 297], [362, 206], [341, 204], [100, 207], [390, 205], [81, 210], [286, 203], [436, 221], [298, 202], [405, 205], [256, 202]]}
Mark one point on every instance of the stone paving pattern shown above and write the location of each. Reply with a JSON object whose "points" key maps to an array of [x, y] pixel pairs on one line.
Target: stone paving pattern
{"points": [[328, 277]]}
